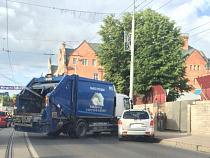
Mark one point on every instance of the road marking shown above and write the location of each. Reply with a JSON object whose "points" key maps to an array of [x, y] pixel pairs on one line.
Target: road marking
{"points": [[30, 147]]}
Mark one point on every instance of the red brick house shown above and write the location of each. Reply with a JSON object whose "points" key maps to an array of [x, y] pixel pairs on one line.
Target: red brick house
{"points": [[197, 64], [82, 61]]}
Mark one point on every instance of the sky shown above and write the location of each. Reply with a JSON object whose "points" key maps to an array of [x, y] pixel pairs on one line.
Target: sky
{"points": [[32, 30]]}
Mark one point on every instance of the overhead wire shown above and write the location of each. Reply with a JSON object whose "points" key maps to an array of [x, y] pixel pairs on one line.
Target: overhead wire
{"points": [[8, 40], [198, 27], [61, 9], [117, 17], [146, 5], [199, 32], [164, 5], [200, 38]]}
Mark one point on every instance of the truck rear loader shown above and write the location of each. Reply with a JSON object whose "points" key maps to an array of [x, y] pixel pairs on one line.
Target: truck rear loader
{"points": [[72, 105]]}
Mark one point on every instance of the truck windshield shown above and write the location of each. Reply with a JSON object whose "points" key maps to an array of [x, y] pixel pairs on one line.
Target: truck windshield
{"points": [[126, 103]]}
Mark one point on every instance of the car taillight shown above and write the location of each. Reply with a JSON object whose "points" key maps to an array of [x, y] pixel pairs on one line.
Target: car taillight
{"points": [[119, 122], [124, 132], [46, 101], [151, 123]]}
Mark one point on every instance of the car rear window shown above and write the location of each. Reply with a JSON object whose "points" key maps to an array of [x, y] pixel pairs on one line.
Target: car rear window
{"points": [[2, 113], [135, 115]]}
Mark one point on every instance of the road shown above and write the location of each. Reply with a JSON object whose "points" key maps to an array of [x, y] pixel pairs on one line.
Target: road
{"points": [[93, 146]]}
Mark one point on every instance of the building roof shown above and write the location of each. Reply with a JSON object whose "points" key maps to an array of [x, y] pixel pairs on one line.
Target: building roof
{"points": [[69, 51], [94, 46], [187, 52], [191, 50]]}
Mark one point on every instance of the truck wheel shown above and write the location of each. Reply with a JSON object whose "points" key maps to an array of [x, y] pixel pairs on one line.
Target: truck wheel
{"points": [[81, 130]]}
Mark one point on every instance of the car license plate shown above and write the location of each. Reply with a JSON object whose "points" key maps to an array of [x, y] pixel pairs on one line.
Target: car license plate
{"points": [[136, 125]]}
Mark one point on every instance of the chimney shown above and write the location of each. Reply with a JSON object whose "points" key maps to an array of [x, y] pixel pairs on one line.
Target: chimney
{"points": [[185, 36]]}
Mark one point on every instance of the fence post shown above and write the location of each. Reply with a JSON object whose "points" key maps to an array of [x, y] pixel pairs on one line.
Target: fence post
{"points": [[188, 119]]}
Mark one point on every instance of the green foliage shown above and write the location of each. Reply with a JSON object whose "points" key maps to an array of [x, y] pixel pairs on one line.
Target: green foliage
{"points": [[6, 100], [157, 61]]}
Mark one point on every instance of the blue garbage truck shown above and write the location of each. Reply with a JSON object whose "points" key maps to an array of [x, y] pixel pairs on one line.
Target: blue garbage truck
{"points": [[68, 104]]}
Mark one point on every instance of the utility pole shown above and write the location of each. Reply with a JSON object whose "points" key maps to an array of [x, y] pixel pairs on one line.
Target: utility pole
{"points": [[132, 58]]}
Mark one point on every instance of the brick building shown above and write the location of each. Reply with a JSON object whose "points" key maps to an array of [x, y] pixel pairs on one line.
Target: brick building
{"points": [[82, 61], [197, 64]]}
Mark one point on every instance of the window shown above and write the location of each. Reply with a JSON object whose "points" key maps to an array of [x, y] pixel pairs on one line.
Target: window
{"points": [[126, 103], [195, 80], [135, 115], [194, 67], [94, 62], [95, 76], [199, 68], [190, 67], [84, 61], [75, 61]]}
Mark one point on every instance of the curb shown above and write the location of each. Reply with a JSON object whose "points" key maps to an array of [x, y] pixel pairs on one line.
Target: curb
{"points": [[183, 145]]}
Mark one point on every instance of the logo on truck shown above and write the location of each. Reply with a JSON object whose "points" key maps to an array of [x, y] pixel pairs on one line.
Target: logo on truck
{"points": [[98, 99]]}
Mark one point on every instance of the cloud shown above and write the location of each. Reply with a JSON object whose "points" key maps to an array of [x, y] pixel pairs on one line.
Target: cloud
{"points": [[35, 31]]}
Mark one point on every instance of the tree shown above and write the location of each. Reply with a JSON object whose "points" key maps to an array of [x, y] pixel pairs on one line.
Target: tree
{"points": [[157, 60]]}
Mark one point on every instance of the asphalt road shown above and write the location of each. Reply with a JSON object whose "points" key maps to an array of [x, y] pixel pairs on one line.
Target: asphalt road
{"points": [[93, 146], [104, 146], [5, 134]]}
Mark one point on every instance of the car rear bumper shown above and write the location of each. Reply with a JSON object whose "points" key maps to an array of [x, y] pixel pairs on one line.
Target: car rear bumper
{"points": [[149, 132], [3, 123]]}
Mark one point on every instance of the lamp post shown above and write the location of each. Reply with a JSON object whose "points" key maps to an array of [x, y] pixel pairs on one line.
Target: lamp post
{"points": [[132, 58]]}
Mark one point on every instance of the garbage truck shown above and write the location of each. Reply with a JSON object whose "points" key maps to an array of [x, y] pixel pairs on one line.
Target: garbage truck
{"points": [[68, 104]]}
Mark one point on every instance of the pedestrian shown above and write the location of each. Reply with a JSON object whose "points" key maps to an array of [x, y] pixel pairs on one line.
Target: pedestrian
{"points": [[160, 120]]}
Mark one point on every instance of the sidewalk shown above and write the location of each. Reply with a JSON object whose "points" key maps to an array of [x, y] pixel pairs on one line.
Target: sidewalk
{"points": [[182, 140]]}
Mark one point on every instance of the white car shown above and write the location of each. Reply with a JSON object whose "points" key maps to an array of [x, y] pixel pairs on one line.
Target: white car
{"points": [[136, 123]]}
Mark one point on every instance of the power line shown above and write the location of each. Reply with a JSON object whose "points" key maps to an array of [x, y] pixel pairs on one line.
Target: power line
{"points": [[200, 38], [198, 27], [7, 40], [23, 52], [117, 17], [200, 32], [125, 9], [146, 4], [44, 40], [163, 5], [62, 9], [141, 3], [23, 65]]}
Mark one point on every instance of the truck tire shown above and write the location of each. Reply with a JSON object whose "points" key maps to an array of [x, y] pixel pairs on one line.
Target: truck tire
{"points": [[81, 130]]}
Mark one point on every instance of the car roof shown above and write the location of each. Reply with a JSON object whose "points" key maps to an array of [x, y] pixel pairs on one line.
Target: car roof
{"points": [[135, 110]]}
